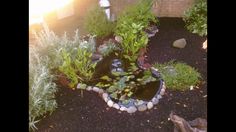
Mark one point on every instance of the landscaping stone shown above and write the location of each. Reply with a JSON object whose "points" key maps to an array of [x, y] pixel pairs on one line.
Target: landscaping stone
{"points": [[159, 97], [149, 105], [122, 108], [116, 106], [155, 101], [96, 57], [100, 91], [110, 103], [89, 88], [162, 91], [131, 109], [180, 43], [142, 107], [96, 89]]}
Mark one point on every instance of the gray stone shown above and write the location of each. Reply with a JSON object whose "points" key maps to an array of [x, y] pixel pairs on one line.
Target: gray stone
{"points": [[110, 103], [96, 57], [89, 88], [162, 91], [164, 86], [180, 43], [122, 108], [96, 89], [118, 39], [104, 96], [149, 105], [159, 96], [142, 107], [155, 101], [116, 106], [100, 91], [131, 109]]}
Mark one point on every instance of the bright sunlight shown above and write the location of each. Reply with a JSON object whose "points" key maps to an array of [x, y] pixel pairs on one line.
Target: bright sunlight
{"points": [[38, 8]]}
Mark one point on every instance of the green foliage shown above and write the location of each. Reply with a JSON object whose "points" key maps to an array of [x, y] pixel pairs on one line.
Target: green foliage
{"points": [[97, 23], [196, 18], [68, 69], [84, 64], [42, 89], [130, 26], [178, 76], [107, 48]]}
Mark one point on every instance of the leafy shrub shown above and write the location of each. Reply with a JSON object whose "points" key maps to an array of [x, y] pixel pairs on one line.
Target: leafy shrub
{"points": [[50, 45], [196, 18], [79, 67], [97, 23], [178, 76], [130, 26], [42, 89]]}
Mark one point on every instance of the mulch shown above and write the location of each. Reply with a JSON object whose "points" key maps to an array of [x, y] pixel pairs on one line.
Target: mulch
{"points": [[88, 112]]}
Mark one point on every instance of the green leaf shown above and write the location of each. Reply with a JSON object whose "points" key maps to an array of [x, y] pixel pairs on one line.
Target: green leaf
{"points": [[106, 78]]}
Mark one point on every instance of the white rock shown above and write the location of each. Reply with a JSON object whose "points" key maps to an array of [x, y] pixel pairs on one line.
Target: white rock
{"points": [[116, 106], [100, 91], [142, 107], [110, 103], [96, 89], [104, 96], [155, 101], [159, 96], [122, 108], [89, 88], [131, 109], [180, 43], [162, 91], [149, 105], [164, 86]]}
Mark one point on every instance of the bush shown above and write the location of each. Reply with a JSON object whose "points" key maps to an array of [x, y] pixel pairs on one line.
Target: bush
{"points": [[196, 18], [178, 76], [97, 23], [42, 89], [130, 27]]}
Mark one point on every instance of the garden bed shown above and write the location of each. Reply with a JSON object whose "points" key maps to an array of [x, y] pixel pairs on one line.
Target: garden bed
{"points": [[88, 112]]}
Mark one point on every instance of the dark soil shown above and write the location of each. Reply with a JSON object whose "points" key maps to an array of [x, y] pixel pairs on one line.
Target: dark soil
{"points": [[90, 113]]}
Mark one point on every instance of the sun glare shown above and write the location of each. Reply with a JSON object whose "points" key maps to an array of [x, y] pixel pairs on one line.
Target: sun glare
{"points": [[38, 8]]}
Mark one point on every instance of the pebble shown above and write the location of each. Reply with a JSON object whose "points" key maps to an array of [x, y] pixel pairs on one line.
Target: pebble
{"points": [[100, 91], [89, 88], [116, 106], [131, 109], [122, 108], [110, 103], [155, 101], [104, 96], [162, 91], [96, 89], [142, 107], [159, 96], [149, 105]]}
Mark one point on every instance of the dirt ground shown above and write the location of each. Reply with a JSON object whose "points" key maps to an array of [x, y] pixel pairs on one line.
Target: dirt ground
{"points": [[90, 113]]}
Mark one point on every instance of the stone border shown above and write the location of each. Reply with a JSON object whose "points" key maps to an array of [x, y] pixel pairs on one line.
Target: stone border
{"points": [[134, 104]]}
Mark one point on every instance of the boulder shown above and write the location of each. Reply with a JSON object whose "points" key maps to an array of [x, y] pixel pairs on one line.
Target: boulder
{"points": [[180, 43]]}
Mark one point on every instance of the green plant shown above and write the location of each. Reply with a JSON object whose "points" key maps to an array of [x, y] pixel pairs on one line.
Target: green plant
{"points": [[133, 39], [140, 13], [42, 89], [178, 76], [68, 69], [196, 18], [130, 27], [83, 63], [97, 23]]}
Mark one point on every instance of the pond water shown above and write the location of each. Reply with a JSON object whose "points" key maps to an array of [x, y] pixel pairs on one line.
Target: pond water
{"points": [[142, 92]]}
